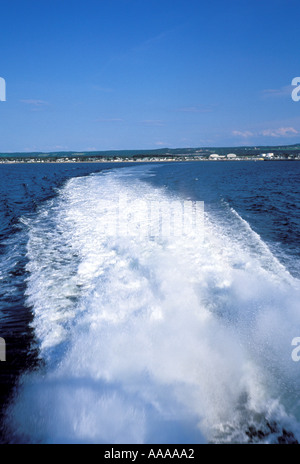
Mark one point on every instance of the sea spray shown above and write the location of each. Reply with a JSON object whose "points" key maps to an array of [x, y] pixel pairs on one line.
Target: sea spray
{"points": [[154, 338]]}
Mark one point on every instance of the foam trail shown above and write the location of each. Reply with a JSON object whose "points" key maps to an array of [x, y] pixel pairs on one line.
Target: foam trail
{"points": [[154, 339]]}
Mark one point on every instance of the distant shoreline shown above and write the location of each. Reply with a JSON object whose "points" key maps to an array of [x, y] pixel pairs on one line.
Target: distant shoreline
{"points": [[137, 160], [245, 153]]}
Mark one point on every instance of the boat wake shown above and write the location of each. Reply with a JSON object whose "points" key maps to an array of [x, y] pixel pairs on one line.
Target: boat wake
{"points": [[154, 339]]}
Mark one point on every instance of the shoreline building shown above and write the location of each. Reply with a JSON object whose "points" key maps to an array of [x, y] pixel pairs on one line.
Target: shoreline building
{"points": [[214, 156]]}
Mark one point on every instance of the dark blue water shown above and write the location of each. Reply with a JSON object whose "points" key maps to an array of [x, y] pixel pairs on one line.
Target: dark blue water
{"points": [[23, 188], [165, 306], [265, 195]]}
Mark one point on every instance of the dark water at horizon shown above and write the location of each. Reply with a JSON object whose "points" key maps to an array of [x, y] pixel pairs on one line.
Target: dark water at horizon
{"points": [[175, 341]]}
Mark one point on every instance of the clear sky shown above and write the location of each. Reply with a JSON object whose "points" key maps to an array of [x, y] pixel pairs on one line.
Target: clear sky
{"points": [[139, 74]]}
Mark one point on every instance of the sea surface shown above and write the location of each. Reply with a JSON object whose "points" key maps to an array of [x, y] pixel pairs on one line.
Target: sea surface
{"points": [[172, 336]]}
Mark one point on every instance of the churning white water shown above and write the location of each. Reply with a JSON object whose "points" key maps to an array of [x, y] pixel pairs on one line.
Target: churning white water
{"points": [[154, 339]]}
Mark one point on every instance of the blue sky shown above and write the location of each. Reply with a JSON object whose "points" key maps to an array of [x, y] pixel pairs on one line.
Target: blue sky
{"points": [[139, 74]]}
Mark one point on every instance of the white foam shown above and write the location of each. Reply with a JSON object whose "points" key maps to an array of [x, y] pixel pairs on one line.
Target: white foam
{"points": [[140, 333]]}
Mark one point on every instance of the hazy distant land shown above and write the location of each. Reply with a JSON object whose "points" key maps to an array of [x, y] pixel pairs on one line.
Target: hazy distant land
{"points": [[261, 153]]}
